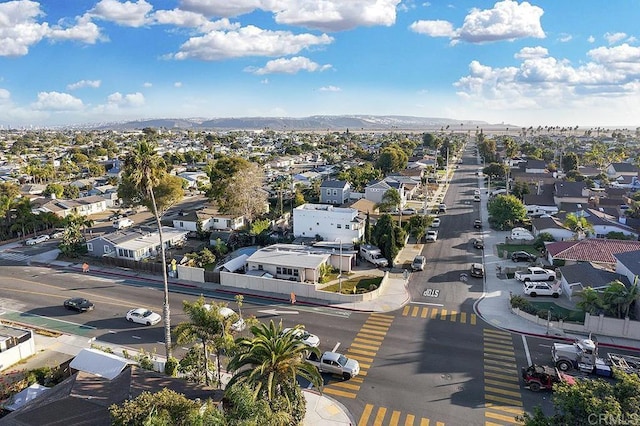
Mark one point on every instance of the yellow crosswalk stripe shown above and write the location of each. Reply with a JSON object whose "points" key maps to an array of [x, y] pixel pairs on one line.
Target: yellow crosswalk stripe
{"points": [[338, 392], [363, 346], [502, 377], [454, 316], [374, 338], [497, 344], [364, 366], [504, 351], [503, 400], [434, 313], [498, 340], [408, 421], [502, 417], [369, 330], [473, 319], [377, 315], [346, 385], [360, 358], [361, 351], [513, 410], [498, 356], [502, 384], [368, 326], [463, 317], [424, 312], [502, 391], [380, 416], [368, 408], [414, 311], [443, 314], [496, 332], [357, 379], [378, 321], [395, 417], [405, 311], [424, 422], [503, 364]]}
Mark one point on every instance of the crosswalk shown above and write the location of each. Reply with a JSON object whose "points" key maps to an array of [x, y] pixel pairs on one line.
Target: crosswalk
{"points": [[14, 257], [502, 391], [364, 348], [383, 416], [431, 312]]}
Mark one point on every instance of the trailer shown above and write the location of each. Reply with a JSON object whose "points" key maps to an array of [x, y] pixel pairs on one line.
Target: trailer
{"points": [[582, 355]]}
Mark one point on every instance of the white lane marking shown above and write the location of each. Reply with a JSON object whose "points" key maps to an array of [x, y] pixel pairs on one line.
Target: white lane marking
{"points": [[136, 337], [427, 303], [112, 332], [335, 348], [54, 319], [277, 312], [526, 350]]}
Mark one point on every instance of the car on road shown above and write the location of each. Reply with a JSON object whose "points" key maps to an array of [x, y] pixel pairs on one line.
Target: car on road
{"points": [[476, 198], [442, 208], [58, 233], [477, 270], [477, 224], [307, 338], [534, 289], [431, 236], [522, 256], [238, 324], [436, 222], [408, 211], [115, 216], [476, 191], [37, 240], [143, 316], [418, 263], [123, 223], [79, 304], [477, 243]]}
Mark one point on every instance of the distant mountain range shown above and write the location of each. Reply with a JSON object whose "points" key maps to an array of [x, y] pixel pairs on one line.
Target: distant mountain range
{"points": [[313, 123]]}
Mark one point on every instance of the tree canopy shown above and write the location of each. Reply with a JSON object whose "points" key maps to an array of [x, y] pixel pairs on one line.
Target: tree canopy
{"points": [[505, 211]]}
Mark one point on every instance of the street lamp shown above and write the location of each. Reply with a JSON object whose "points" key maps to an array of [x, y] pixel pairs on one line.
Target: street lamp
{"points": [[340, 274]]}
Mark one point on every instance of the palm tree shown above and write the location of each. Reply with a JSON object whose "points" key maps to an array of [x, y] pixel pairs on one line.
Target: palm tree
{"points": [[145, 169], [578, 224], [204, 325], [632, 295], [271, 361], [615, 298], [589, 300], [391, 198]]}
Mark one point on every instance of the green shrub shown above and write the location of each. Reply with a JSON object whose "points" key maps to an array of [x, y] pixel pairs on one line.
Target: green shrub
{"points": [[171, 367]]}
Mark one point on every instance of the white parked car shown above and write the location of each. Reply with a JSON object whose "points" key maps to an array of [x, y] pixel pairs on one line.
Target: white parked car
{"points": [[432, 236], [37, 240], [307, 338], [534, 289], [408, 211], [418, 263], [238, 325], [143, 316], [436, 222], [123, 223]]}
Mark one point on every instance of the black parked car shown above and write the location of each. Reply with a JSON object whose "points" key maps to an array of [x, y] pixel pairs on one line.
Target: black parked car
{"points": [[522, 256], [477, 224], [479, 244], [78, 304]]}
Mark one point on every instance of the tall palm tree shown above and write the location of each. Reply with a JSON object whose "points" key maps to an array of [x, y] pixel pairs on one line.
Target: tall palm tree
{"points": [[390, 199], [578, 224], [204, 325], [615, 298], [271, 361], [145, 169]]}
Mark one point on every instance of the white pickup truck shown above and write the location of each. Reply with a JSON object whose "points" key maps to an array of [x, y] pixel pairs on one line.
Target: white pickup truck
{"points": [[535, 273], [335, 363]]}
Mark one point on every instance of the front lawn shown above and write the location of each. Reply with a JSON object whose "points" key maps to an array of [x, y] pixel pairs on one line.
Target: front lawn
{"points": [[361, 284], [542, 308], [516, 247]]}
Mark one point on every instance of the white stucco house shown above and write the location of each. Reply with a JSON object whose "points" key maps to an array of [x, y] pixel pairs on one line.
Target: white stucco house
{"points": [[329, 222]]}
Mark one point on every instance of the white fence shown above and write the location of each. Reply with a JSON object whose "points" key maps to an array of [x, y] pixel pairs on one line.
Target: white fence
{"points": [[17, 353], [597, 324]]}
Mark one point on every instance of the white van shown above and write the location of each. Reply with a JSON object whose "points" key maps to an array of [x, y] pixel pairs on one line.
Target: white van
{"points": [[123, 223], [521, 234]]}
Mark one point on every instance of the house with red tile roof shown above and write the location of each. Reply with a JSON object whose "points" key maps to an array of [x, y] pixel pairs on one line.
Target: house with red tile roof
{"points": [[594, 250]]}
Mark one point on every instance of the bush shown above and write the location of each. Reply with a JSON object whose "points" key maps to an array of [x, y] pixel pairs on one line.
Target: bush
{"points": [[171, 367]]}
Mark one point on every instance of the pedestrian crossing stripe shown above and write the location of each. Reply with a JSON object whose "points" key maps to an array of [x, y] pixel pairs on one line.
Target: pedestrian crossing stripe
{"points": [[502, 417], [19, 257], [383, 416], [496, 332], [443, 314]]}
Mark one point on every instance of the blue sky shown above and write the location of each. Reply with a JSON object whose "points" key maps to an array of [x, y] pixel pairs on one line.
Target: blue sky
{"points": [[547, 62]]}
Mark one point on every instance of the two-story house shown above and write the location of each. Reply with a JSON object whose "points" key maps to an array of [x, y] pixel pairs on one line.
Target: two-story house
{"points": [[334, 192], [210, 219], [376, 190], [331, 223], [570, 192]]}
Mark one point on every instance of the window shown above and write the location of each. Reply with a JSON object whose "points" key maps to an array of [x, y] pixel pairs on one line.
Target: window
{"points": [[181, 225], [346, 227], [339, 226], [335, 192], [278, 270], [107, 249], [260, 268], [328, 192], [90, 246], [215, 220]]}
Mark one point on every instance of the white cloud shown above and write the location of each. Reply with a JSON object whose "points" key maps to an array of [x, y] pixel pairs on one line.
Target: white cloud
{"points": [[564, 38], [221, 8], [84, 30], [5, 95], [84, 83], [508, 20], [541, 81], [129, 13], [247, 41], [613, 38], [591, 39], [335, 15], [56, 101], [117, 99], [532, 52], [288, 66], [18, 28], [330, 89], [433, 28], [264, 81], [187, 19], [177, 84], [147, 84]]}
